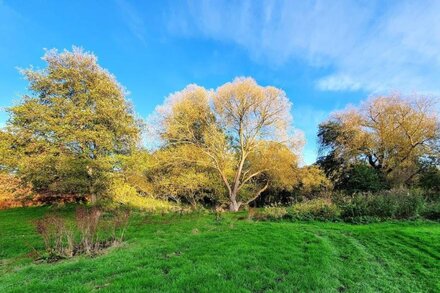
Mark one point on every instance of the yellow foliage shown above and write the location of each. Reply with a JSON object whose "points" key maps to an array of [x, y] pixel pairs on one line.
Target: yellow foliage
{"points": [[228, 127], [392, 133], [312, 179], [123, 193]]}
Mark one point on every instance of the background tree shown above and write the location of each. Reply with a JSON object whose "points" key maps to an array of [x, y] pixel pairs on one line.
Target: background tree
{"points": [[68, 130], [230, 126], [311, 181], [430, 179], [181, 173], [362, 178], [392, 134], [329, 160], [133, 169], [7, 160]]}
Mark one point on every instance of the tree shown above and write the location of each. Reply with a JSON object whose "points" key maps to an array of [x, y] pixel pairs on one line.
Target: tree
{"points": [[329, 161], [232, 126], [67, 132], [430, 179], [362, 178], [392, 134], [312, 181], [178, 173], [6, 153]]}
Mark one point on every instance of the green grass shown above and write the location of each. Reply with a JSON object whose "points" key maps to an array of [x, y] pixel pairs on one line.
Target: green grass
{"points": [[194, 253]]}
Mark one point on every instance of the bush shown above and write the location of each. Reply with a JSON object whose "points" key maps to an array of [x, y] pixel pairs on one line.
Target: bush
{"points": [[430, 179], [87, 220], [432, 211], [271, 213], [315, 209], [362, 178], [393, 204], [88, 234], [57, 236]]}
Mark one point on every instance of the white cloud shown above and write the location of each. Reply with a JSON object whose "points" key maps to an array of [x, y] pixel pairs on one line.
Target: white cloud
{"points": [[338, 82], [133, 20], [362, 45]]}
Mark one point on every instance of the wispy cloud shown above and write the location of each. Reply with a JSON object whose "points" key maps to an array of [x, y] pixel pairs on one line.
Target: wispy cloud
{"points": [[363, 45], [307, 118], [133, 19]]}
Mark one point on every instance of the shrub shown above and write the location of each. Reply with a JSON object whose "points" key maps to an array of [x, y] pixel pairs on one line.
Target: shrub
{"points": [[362, 178], [57, 237], [87, 234], [432, 211], [430, 179], [315, 209], [87, 220], [393, 204], [272, 213]]}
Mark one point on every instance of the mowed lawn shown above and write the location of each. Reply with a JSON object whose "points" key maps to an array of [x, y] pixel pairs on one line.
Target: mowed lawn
{"points": [[196, 253]]}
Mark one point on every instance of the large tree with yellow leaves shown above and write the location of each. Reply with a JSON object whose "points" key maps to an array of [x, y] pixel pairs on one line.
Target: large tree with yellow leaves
{"points": [[241, 131], [66, 134], [390, 133]]}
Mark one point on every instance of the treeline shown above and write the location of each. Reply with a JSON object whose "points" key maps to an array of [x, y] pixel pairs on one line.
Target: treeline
{"points": [[75, 134]]}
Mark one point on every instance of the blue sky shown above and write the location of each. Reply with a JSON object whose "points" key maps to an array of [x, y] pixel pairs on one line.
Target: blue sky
{"points": [[324, 54]]}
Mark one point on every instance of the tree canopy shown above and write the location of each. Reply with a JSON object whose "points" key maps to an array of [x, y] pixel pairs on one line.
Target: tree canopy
{"points": [[66, 132], [392, 134], [234, 127]]}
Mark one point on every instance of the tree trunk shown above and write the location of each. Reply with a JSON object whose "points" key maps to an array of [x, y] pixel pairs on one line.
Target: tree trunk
{"points": [[233, 205], [93, 198]]}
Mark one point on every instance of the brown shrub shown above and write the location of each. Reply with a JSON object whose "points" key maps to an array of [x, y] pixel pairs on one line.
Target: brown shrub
{"points": [[120, 223], [87, 220], [59, 238]]}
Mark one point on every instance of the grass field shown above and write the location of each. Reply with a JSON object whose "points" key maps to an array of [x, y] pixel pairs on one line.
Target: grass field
{"points": [[196, 253]]}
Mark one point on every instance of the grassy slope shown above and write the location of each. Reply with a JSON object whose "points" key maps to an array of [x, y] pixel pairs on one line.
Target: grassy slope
{"points": [[193, 253]]}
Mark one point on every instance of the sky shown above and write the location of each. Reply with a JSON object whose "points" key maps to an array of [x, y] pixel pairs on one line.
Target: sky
{"points": [[324, 54]]}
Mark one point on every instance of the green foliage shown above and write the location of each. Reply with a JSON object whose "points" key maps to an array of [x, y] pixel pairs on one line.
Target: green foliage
{"points": [[133, 169], [430, 179], [329, 161], [362, 178], [393, 204], [241, 131], [272, 213], [392, 134], [65, 136], [432, 211], [178, 173], [312, 182], [315, 209]]}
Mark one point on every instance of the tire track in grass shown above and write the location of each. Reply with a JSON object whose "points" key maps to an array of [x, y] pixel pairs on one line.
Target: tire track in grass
{"points": [[316, 261], [403, 270], [358, 269], [428, 249]]}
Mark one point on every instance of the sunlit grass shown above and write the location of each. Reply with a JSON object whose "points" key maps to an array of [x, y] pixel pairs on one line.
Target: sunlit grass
{"points": [[197, 253]]}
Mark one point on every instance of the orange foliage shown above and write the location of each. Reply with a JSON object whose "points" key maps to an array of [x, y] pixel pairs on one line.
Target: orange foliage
{"points": [[13, 193]]}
